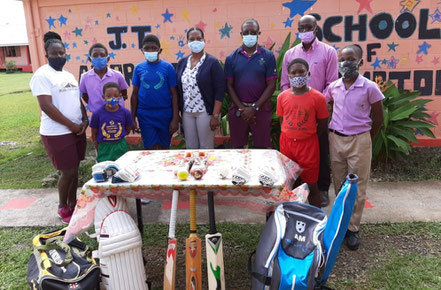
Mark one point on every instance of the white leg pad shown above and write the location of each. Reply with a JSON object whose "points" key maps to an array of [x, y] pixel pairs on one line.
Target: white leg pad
{"points": [[120, 253], [105, 206]]}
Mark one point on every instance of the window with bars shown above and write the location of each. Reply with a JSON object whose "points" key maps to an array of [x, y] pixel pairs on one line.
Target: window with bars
{"points": [[11, 51]]}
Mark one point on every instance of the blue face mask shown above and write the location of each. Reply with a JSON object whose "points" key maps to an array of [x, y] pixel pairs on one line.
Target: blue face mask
{"points": [[112, 102], [99, 62], [196, 46], [249, 40], [151, 56]]}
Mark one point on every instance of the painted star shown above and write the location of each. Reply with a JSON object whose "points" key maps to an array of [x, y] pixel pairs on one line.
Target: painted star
{"points": [[419, 59], [96, 22], [158, 26], [419, 132], [434, 118], [335, 47], [376, 64], [70, 10], [409, 5], [112, 55], [392, 46], [179, 55], [201, 25], [87, 57], [86, 42], [392, 63], [288, 22], [167, 16], [133, 45], [134, 9], [436, 16], [268, 42], [62, 20], [89, 22], [94, 40], [364, 4], [185, 15], [74, 44], [66, 45], [384, 61], [77, 58], [67, 57], [298, 7], [172, 38], [67, 34], [78, 32], [435, 60], [225, 31], [51, 22], [423, 48], [108, 15]]}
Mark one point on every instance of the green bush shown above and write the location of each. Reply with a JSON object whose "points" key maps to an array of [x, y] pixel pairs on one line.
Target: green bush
{"points": [[404, 116], [10, 66]]}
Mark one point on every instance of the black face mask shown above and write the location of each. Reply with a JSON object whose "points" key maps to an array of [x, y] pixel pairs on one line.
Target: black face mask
{"points": [[57, 63]]}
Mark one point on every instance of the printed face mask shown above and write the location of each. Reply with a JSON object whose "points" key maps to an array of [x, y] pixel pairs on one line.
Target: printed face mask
{"points": [[249, 40], [57, 63], [307, 37], [348, 69], [112, 102], [298, 82], [99, 62], [196, 46], [151, 56]]}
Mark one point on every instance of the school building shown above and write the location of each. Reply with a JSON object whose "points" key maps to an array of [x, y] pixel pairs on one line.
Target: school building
{"points": [[400, 38]]}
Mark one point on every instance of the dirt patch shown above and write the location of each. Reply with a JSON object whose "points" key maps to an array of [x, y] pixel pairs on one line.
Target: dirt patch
{"points": [[350, 265]]}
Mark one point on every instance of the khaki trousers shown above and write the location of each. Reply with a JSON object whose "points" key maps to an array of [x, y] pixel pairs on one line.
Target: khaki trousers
{"points": [[351, 154]]}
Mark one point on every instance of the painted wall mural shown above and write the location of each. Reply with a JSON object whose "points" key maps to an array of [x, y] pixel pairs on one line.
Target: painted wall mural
{"points": [[400, 39]]}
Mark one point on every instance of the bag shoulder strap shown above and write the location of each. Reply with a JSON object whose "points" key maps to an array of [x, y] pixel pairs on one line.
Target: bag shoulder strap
{"points": [[54, 243], [261, 278]]}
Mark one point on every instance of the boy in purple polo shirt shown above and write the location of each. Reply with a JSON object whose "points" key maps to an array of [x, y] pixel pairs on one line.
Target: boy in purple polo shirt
{"points": [[251, 81], [353, 98], [110, 125], [92, 82]]}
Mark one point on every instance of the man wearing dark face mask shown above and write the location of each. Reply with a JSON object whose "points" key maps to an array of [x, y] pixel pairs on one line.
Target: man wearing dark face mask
{"points": [[251, 77], [322, 60], [354, 99], [63, 122]]}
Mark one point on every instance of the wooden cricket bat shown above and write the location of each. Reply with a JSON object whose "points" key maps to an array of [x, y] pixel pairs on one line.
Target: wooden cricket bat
{"points": [[193, 250], [215, 255], [170, 259]]}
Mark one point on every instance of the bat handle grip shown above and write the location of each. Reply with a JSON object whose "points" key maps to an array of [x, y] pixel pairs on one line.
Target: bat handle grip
{"points": [[192, 210], [172, 228], [211, 214]]}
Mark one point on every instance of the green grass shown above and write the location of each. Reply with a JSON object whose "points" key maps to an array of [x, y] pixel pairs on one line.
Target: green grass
{"points": [[392, 269], [16, 82]]}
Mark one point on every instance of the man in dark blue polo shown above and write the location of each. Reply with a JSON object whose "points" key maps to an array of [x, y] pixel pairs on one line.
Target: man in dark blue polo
{"points": [[251, 75]]}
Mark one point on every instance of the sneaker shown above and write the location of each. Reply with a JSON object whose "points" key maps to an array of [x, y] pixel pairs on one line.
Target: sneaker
{"points": [[352, 240], [324, 196], [65, 213]]}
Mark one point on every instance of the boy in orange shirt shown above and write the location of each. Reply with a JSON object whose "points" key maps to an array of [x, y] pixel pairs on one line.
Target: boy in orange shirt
{"points": [[304, 115]]}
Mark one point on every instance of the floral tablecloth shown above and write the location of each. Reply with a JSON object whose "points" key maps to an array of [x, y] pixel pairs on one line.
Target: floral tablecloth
{"points": [[157, 180]]}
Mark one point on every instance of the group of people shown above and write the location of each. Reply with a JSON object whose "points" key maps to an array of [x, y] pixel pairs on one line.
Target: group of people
{"points": [[192, 95]]}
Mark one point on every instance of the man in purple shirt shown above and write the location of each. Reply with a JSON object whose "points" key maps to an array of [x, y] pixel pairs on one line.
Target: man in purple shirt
{"points": [[354, 100], [322, 60], [251, 75]]}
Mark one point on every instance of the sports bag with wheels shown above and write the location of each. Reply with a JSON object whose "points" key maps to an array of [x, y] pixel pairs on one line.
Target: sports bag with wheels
{"points": [[56, 265]]}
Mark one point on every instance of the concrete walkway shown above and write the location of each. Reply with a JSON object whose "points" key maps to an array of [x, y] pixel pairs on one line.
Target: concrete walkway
{"points": [[387, 202]]}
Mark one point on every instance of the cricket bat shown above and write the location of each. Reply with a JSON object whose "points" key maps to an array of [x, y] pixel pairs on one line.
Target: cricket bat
{"points": [[215, 255], [193, 251], [170, 259]]}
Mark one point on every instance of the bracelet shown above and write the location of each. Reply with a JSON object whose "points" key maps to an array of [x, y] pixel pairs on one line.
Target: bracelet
{"points": [[216, 116]]}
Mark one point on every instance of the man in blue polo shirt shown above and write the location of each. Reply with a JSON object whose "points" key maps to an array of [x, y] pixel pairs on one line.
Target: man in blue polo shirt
{"points": [[251, 75]]}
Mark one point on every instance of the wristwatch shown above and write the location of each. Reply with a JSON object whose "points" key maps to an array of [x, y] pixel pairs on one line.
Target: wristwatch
{"points": [[255, 107], [216, 116]]}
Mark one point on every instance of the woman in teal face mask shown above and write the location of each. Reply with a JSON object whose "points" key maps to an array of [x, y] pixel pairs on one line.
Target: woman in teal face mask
{"points": [[201, 89], [154, 98], [93, 81]]}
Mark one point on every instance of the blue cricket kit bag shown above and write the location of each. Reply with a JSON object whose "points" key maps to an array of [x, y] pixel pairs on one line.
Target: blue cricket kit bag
{"points": [[299, 244]]}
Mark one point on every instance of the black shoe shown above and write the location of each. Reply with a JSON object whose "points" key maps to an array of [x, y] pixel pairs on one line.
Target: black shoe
{"points": [[352, 240], [324, 196]]}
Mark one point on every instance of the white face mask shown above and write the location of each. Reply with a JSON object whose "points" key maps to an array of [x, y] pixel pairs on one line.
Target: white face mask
{"points": [[249, 40], [196, 46], [299, 82], [151, 56]]}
